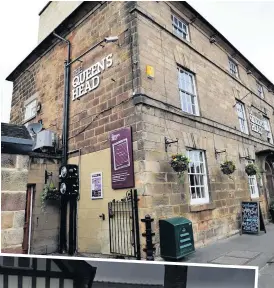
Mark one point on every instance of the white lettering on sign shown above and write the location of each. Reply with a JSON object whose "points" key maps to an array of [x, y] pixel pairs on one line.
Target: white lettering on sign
{"points": [[114, 137], [257, 125], [89, 79]]}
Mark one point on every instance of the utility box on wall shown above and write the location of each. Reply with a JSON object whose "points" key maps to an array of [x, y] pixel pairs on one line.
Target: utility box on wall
{"points": [[176, 238]]}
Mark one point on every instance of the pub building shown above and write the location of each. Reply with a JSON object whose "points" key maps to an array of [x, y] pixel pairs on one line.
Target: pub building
{"points": [[142, 81]]}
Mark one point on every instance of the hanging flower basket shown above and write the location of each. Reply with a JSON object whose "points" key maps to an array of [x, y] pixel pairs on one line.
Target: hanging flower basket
{"points": [[228, 167], [251, 169], [50, 192], [179, 163]]}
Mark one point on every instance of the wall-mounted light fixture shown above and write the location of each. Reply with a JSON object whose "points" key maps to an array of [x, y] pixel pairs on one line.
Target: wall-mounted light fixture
{"points": [[168, 143], [38, 107], [111, 39], [47, 175], [217, 152], [212, 39]]}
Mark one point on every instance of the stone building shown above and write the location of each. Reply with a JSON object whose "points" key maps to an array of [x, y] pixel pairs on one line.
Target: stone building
{"points": [[26, 228], [170, 75], [16, 144]]}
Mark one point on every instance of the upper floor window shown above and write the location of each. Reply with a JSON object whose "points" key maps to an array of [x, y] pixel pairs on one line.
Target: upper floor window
{"points": [[180, 27], [233, 68], [188, 94], [260, 90], [242, 117], [268, 130], [197, 176], [30, 109]]}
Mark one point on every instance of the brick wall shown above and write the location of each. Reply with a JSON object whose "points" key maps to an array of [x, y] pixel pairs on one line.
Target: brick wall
{"points": [[112, 99], [14, 174], [217, 127], [94, 115], [159, 47], [163, 196]]}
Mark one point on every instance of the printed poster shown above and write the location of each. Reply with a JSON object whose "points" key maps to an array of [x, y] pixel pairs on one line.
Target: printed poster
{"points": [[122, 168], [96, 185]]}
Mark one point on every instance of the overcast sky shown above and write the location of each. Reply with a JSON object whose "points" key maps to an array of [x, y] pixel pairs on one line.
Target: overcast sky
{"points": [[248, 25]]}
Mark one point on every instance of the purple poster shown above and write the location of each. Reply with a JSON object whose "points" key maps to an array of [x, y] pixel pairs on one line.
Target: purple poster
{"points": [[122, 168]]}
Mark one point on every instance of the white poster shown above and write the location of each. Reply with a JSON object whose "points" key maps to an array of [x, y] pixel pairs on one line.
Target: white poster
{"points": [[97, 185]]}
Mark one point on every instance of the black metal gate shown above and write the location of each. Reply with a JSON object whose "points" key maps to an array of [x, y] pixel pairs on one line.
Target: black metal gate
{"points": [[124, 236]]}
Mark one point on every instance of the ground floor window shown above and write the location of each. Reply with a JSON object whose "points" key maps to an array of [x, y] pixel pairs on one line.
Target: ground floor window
{"points": [[197, 177], [253, 186]]}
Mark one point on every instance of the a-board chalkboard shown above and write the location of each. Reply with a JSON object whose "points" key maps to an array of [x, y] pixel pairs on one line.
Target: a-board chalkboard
{"points": [[252, 220]]}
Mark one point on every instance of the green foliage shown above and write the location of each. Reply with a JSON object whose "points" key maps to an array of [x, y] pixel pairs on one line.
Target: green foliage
{"points": [[179, 163], [49, 193], [228, 167], [251, 169]]}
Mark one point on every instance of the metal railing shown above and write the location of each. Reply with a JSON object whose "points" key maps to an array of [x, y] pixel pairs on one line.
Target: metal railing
{"points": [[124, 235]]}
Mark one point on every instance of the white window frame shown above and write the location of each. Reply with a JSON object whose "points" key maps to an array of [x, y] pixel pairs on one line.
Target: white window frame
{"points": [[233, 68], [202, 174], [268, 130], [243, 126], [180, 28], [30, 109], [253, 185], [260, 90], [186, 97]]}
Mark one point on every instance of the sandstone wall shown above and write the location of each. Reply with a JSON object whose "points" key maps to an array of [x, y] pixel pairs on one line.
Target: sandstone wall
{"points": [[14, 175]]}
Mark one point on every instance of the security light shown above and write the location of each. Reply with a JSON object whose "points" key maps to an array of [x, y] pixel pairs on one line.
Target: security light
{"points": [[111, 39], [63, 188], [63, 172]]}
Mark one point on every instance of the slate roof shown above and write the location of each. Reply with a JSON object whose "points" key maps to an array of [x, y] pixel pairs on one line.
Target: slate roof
{"points": [[15, 139], [15, 131]]}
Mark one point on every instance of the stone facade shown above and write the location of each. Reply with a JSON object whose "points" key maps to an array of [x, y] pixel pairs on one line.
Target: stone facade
{"points": [[216, 127], [14, 174], [127, 97], [45, 222]]}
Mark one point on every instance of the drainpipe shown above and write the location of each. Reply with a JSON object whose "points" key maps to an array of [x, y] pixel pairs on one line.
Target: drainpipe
{"points": [[66, 102], [64, 200]]}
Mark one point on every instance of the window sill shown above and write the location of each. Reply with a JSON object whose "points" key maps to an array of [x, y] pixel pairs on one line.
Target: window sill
{"points": [[202, 207], [257, 199]]}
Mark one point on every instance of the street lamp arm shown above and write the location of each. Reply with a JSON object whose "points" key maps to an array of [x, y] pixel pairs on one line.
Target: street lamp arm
{"points": [[107, 40]]}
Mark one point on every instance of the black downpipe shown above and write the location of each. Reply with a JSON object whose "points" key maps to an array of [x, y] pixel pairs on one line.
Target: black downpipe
{"points": [[64, 199]]}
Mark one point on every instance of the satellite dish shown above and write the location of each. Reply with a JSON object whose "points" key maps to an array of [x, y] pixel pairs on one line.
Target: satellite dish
{"points": [[34, 128]]}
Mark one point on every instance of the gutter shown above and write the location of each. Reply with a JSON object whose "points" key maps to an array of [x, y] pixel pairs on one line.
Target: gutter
{"points": [[14, 140], [45, 7]]}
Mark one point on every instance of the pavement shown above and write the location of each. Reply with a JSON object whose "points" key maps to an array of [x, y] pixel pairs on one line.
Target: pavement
{"points": [[245, 249]]}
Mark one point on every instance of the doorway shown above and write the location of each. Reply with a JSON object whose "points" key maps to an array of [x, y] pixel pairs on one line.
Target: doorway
{"points": [[269, 168], [28, 219]]}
